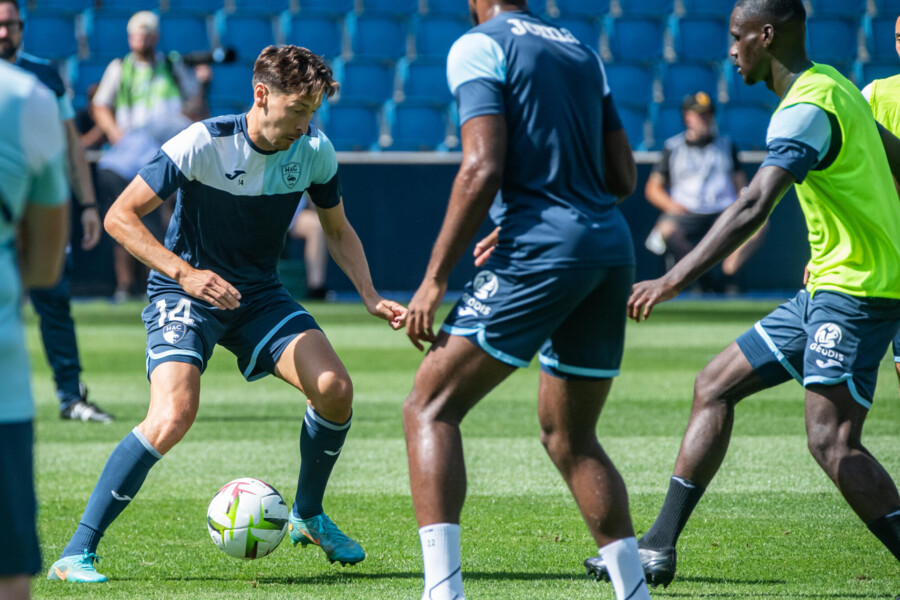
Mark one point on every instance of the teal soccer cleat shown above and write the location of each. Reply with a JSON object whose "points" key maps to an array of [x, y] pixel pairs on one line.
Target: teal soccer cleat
{"points": [[321, 531], [77, 569]]}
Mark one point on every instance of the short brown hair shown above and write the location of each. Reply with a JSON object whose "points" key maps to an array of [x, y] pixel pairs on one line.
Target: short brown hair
{"points": [[292, 70]]}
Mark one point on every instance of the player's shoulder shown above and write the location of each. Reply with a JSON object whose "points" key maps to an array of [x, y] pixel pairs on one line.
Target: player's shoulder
{"points": [[44, 70], [24, 85]]}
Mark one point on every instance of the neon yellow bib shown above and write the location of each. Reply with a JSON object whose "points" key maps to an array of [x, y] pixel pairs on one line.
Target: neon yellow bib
{"points": [[885, 102], [851, 207]]}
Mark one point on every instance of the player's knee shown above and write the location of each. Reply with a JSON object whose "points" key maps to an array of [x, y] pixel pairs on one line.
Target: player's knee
{"points": [[562, 445], [707, 390], [166, 428], [333, 393], [825, 445]]}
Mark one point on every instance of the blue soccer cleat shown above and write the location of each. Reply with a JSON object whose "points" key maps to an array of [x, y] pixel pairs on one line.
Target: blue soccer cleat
{"points": [[321, 531], [77, 569]]}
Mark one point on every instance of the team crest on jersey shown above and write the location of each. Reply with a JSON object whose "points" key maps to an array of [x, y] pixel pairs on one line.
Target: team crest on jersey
{"points": [[486, 285], [291, 174], [173, 332]]}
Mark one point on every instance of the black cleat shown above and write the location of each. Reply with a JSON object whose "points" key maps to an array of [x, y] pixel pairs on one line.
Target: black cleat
{"points": [[82, 410], [659, 566]]}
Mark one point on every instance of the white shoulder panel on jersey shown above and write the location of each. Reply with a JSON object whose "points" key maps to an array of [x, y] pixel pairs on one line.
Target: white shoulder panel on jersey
{"points": [[187, 150], [475, 56], [803, 122]]}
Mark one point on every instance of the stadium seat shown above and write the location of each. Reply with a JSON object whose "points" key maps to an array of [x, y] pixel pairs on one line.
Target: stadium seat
{"points": [[67, 7], [449, 7], [838, 8], [248, 35], [625, 33], [711, 8], [130, 5], [231, 84], [538, 7], [330, 7], [418, 127], [887, 8], [700, 38], [649, 8], [869, 72], [741, 93], [352, 127], [631, 83], [634, 119], [366, 81], [261, 7], [85, 73], [321, 33], [746, 124], [831, 40], [377, 36], [50, 36], [218, 108], [667, 121], [880, 38], [197, 6], [107, 37], [582, 8], [426, 80], [391, 7], [434, 34], [183, 33], [681, 79], [586, 30]]}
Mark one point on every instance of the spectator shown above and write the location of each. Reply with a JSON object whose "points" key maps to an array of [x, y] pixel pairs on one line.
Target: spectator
{"points": [[697, 178], [307, 227], [92, 136]]}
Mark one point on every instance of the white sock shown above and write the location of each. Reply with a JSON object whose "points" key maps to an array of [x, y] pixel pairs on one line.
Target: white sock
{"points": [[623, 563], [441, 557]]}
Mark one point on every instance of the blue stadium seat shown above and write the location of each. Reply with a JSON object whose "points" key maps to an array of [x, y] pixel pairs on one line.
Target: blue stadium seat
{"points": [[667, 121], [631, 83], [712, 8], [838, 8], [262, 7], [183, 33], [418, 127], [426, 80], [636, 38], [888, 8], [634, 118], [366, 81], [880, 38], [449, 7], [248, 35], [582, 8], [650, 8], [436, 33], [538, 7], [391, 7], [68, 7], [330, 7], [746, 124], [231, 84], [50, 36], [86, 72], [741, 93], [321, 33], [831, 40], [378, 36], [107, 37], [681, 79], [130, 5], [198, 6], [352, 127], [700, 38], [869, 72], [586, 30], [218, 108]]}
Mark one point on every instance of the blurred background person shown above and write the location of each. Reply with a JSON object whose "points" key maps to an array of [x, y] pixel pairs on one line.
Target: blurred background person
{"points": [[307, 227]]}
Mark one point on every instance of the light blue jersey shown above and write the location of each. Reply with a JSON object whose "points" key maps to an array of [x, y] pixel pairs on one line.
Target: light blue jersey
{"points": [[236, 201], [31, 171]]}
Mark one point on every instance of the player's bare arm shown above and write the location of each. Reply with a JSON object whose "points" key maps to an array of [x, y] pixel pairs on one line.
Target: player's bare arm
{"points": [[485, 247], [80, 176], [42, 241], [476, 184], [347, 251], [619, 166], [737, 223], [123, 223]]}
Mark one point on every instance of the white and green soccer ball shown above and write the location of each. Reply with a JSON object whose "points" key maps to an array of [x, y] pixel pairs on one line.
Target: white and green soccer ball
{"points": [[247, 518]]}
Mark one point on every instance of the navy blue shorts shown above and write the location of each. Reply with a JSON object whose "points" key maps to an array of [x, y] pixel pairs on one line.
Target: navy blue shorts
{"points": [[182, 328], [829, 339], [574, 317], [19, 552]]}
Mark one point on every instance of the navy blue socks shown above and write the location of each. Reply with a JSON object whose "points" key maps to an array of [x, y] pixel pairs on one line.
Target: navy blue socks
{"points": [[321, 441]]}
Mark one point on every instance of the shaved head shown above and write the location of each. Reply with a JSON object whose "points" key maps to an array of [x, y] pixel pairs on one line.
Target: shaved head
{"points": [[773, 11]]}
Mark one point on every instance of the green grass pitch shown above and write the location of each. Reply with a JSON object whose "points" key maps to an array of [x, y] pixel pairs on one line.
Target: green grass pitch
{"points": [[770, 526]]}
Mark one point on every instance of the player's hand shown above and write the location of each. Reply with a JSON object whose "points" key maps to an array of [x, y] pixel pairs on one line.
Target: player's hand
{"points": [[805, 275], [485, 247], [392, 312], [420, 321], [207, 286], [90, 228], [647, 294]]}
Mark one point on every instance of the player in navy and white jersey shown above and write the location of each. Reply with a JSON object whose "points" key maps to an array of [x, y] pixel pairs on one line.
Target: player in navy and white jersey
{"points": [[33, 195], [239, 180], [540, 126]]}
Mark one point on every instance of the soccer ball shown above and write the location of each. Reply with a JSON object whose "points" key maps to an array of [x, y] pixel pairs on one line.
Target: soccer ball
{"points": [[247, 518]]}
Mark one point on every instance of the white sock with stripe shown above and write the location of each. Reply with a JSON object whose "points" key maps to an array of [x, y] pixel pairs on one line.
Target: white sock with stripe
{"points": [[623, 563], [441, 558]]}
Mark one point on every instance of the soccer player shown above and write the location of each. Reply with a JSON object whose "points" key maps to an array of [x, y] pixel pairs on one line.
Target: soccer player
{"points": [[33, 196], [239, 180], [539, 124], [884, 98], [831, 336], [53, 304]]}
